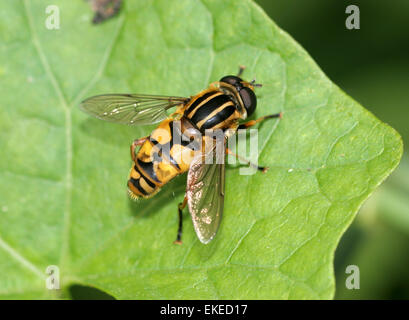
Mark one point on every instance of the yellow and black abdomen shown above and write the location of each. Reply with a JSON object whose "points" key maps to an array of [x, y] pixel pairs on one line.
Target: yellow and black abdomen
{"points": [[212, 109], [140, 184], [168, 153], [162, 157]]}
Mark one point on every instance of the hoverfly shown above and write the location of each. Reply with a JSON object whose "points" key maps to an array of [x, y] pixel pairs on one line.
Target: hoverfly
{"points": [[221, 106]]}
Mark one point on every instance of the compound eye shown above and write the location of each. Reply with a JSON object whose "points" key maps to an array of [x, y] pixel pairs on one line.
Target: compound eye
{"points": [[249, 100], [233, 80]]}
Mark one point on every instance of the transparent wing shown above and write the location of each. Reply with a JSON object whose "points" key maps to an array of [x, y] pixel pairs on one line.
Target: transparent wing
{"points": [[205, 197], [130, 108]]}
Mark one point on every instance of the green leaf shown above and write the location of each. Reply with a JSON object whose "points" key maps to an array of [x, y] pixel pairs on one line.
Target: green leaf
{"points": [[63, 175]]}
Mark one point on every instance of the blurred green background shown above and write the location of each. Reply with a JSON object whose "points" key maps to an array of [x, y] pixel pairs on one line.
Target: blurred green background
{"points": [[371, 65]]}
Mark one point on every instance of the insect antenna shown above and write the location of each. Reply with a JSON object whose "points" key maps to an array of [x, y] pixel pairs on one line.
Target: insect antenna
{"points": [[241, 69], [254, 84]]}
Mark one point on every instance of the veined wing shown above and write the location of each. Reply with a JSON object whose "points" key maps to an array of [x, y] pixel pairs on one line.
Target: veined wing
{"points": [[130, 109], [205, 196]]}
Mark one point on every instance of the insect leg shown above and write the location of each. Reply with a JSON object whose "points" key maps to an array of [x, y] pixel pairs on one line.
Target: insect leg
{"points": [[181, 206], [137, 143], [262, 169], [253, 122]]}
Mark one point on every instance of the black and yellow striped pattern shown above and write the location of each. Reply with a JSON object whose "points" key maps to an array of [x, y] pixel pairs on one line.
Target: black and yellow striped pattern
{"points": [[211, 110], [158, 159], [140, 184]]}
